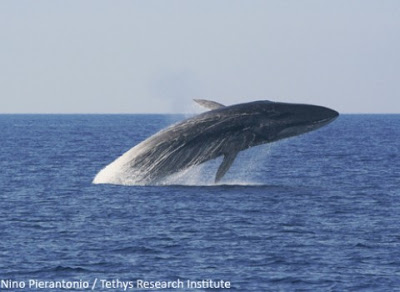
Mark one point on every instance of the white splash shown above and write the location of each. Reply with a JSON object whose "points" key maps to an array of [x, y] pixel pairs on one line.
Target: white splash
{"points": [[119, 172], [243, 171]]}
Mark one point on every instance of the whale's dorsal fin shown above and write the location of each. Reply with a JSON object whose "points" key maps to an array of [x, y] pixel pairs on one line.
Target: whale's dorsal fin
{"points": [[225, 165], [212, 105]]}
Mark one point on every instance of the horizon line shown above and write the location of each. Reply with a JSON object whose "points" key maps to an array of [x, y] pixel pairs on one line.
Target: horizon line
{"points": [[158, 113]]}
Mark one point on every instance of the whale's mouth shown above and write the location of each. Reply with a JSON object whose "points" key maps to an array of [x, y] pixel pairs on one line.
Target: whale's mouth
{"points": [[325, 121], [305, 127], [317, 124]]}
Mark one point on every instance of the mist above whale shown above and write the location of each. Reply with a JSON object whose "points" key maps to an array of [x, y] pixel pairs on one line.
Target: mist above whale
{"points": [[221, 131]]}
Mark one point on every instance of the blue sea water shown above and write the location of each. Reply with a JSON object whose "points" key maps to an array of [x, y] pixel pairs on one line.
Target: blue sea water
{"points": [[318, 212]]}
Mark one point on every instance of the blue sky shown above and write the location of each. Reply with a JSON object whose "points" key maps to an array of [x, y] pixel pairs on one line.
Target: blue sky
{"points": [[155, 56]]}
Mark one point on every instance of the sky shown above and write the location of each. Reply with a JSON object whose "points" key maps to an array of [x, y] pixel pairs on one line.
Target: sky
{"points": [[99, 56]]}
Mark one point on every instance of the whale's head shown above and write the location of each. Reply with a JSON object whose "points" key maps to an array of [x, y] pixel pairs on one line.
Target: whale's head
{"points": [[282, 120]]}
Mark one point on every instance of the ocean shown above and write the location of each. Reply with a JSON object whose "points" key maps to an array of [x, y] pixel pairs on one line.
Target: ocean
{"points": [[317, 212]]}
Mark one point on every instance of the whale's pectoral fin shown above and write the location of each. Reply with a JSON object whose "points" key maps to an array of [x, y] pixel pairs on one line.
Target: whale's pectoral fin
{"points": [[225, 165], [212, 105]]}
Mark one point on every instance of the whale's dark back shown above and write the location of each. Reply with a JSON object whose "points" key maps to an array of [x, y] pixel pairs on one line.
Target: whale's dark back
{"points": [[197, 139]]}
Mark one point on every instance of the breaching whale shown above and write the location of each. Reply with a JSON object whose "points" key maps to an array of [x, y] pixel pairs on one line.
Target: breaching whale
{"points": [[221, 131]]}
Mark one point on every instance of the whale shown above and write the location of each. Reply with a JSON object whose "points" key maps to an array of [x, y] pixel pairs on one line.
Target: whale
{"points": [[220, 131]]}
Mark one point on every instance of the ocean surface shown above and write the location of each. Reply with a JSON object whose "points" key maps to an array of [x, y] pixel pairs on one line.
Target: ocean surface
{"points": [[318, 212]]}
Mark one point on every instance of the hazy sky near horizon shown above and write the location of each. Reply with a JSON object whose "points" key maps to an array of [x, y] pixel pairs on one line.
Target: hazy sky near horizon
{"points": [[151, 56]]}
